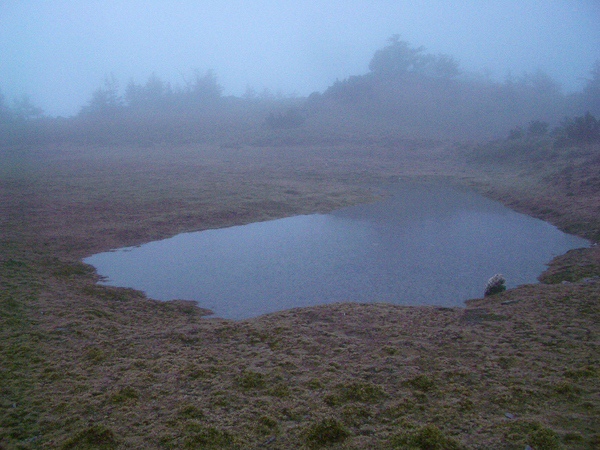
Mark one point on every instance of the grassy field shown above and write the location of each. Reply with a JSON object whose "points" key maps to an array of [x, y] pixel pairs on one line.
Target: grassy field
{"points": [[85, 366]]}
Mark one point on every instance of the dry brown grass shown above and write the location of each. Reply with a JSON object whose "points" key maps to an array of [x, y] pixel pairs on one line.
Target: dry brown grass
{"points": [[85, 366]]}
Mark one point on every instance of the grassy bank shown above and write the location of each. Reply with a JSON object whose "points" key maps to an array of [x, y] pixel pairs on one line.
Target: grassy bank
{"points": [[85, 366]]}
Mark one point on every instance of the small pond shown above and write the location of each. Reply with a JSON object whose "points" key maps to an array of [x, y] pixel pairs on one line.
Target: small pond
{"points": [[425, 244]]}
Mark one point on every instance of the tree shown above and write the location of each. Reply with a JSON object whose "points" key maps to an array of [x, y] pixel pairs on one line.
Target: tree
{"points": [[537, 128], [205, 87], [133, 94], [397, 57], [515, 133], [250, 93], [6, 114], [24, 109], [155, 91], [542, 83], [444, 66], [105, 100], [591, 91], [155, 94], [292, 118], [585, 129]]}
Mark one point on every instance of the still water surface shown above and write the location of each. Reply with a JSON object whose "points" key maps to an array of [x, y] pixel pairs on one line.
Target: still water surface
{"points": [[427, 244]]}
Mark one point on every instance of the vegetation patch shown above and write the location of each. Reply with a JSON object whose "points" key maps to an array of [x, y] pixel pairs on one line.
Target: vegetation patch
{"points": [[126, 394], [325, 432], [280, 390], [428, 437], [96, 437], [191, 412], [421, 382], [355, 392], [573, 266], [249, 380], [583, 372], [534, 434], [355, 415], [208, 438], [95, 355], [267, 425], [68, 270]]}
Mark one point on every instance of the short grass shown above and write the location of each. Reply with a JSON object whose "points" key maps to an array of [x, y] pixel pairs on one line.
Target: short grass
{"points": [[86, 366]]}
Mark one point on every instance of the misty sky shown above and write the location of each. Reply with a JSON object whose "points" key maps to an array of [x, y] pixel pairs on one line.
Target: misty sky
{"points": [[59, 51]]}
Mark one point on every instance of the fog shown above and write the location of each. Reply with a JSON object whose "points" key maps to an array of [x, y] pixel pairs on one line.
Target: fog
{"points": [[58, 52]]}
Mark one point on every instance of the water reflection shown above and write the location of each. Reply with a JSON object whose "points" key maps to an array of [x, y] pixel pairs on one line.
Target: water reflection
{"points": [[425, 244]]}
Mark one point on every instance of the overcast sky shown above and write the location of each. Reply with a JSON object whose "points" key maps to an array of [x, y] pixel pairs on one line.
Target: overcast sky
{"points": [[59, 51]]}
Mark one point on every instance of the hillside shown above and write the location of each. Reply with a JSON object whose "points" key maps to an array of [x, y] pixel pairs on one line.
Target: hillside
{"points": [[86, 366]]}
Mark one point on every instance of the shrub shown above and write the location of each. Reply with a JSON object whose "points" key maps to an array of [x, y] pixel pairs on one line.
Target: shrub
{"points": [[327, 431], [251, 380], [356, 415], [428, 437], [124, 395], [355, 392], [545, 438], [580, 130], [191, 412], [537, 128], [421, 382], [292, 118], [267, 425], [209, 438], [96, 436], [515, 133], [280, 390], [532, 434]]}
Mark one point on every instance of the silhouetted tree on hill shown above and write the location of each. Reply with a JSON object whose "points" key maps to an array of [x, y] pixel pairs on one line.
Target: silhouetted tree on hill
{"points": [[580, 130], [440, 66], [105, 101], [200, 93], [409, 91], [155, 94], [24, 109], [292, 118], [591, 91], [398, 57], [250, 93], [537, 128], [395, 58], [6, 114], [205, 88]]}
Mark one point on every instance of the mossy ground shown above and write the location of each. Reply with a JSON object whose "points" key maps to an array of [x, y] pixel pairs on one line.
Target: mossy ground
{"points": [[86, 366]]}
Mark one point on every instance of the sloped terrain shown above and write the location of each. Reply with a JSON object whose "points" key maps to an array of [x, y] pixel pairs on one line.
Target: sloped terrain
{"points": [[86, 366]]}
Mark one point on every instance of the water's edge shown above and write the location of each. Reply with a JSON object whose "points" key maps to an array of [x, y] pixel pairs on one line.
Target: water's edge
{"points": [[449, 235]]}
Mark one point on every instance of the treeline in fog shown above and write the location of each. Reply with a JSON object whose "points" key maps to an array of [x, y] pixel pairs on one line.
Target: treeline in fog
{"points": [[415, 93], [407, 93], [153, 112]]}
